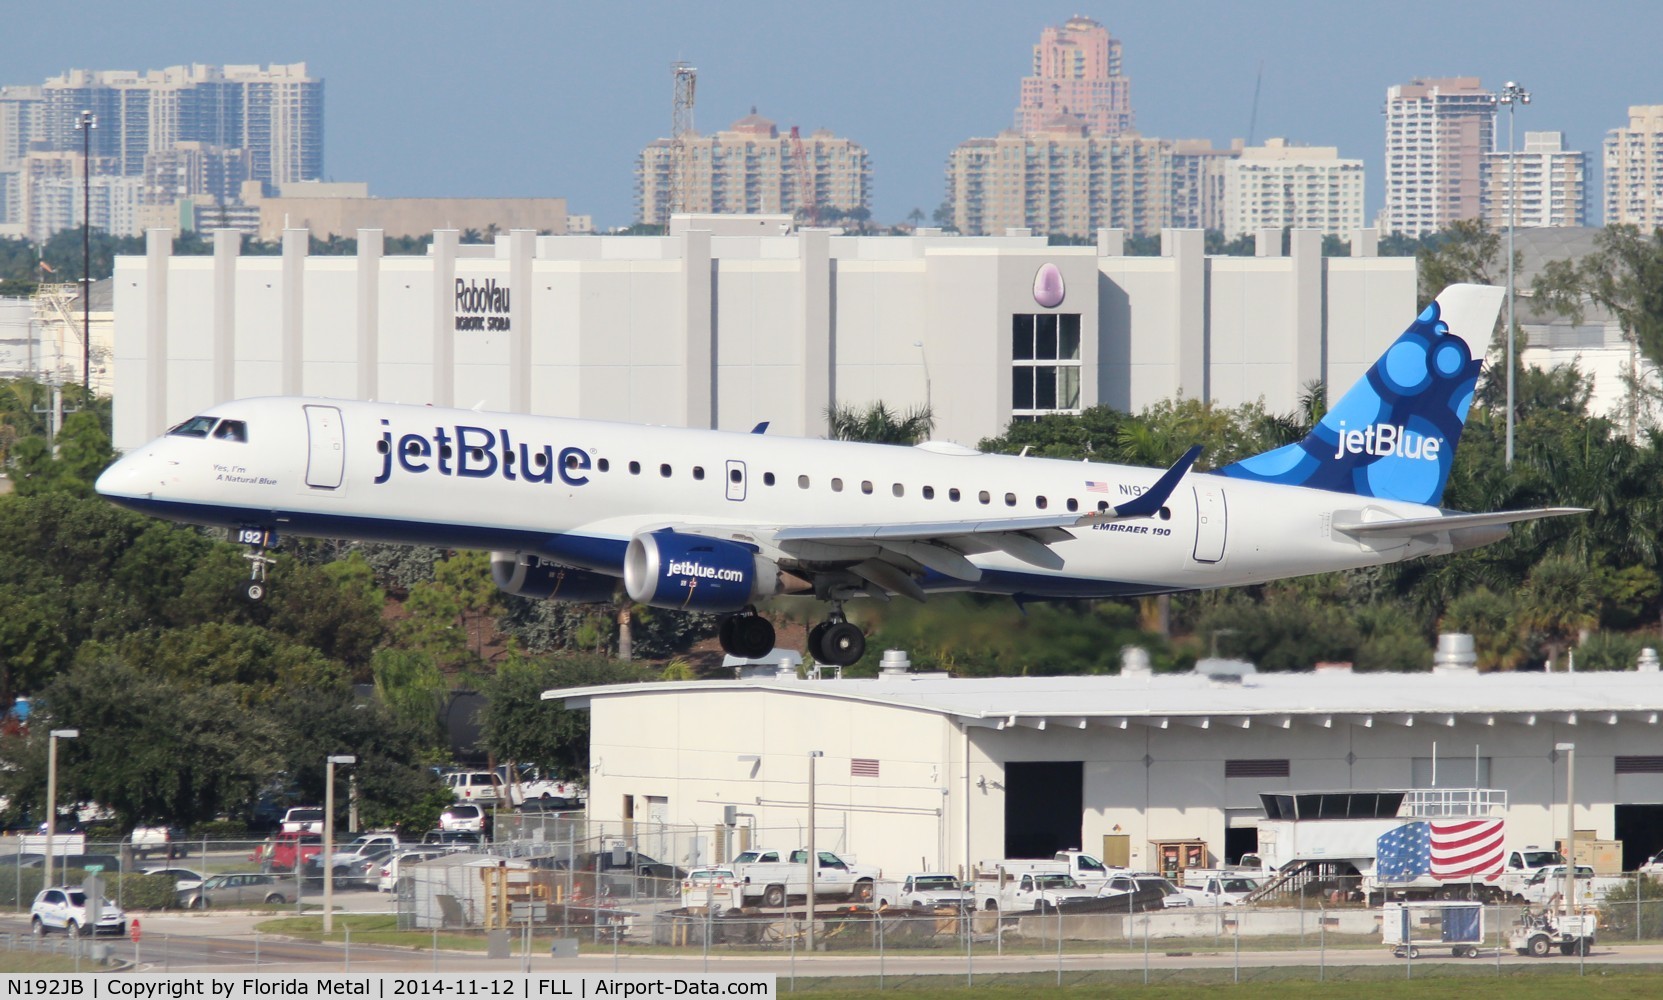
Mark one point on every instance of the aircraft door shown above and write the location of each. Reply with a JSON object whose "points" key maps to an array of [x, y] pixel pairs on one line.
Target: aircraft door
{"points": [[326, 447], [736, 480], [1210, 512]]}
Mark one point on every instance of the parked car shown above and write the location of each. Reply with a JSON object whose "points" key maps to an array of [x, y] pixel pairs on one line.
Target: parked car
{"points": [[629, 873], [465, 816], [236, 889], [281, 853], [455, 840], [393, 865], [1140, 891], [476, 786], [303, 819], [183, 878], [64, 908]]}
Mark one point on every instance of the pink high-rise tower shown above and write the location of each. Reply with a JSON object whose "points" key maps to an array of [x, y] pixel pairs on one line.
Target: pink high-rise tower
{"points": [[1077, 72]]}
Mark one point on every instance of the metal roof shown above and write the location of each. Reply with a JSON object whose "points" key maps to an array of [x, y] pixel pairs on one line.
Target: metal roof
{"points": [[1278, 700]]}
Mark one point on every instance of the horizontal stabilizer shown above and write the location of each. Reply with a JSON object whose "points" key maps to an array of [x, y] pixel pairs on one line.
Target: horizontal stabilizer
{"points": [[1406, 527]]}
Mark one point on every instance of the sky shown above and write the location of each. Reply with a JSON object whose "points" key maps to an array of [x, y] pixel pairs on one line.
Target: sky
{"points": [[554, 99]]}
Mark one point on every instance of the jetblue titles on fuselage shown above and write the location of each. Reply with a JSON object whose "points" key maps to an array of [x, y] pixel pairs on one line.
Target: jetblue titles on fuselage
{"points": [[473, 452]]}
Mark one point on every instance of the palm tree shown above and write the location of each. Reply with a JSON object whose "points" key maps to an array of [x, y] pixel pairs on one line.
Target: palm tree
{"points": [[878, 424], [1558, 602]]}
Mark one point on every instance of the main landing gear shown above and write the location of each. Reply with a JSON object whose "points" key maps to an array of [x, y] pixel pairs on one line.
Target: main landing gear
{"points": [[837, 641], [746, 634], [259, 542]]}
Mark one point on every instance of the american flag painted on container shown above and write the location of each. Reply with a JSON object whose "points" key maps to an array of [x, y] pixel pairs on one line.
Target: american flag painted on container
{"points": [[1443, 849]]}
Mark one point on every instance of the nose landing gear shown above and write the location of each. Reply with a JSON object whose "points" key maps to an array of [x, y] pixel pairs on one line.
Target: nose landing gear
{"points": [[259, 542]]}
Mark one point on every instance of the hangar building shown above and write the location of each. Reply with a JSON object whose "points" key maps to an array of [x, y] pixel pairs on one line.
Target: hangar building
{"points": [[934, 771], [706, 329]]}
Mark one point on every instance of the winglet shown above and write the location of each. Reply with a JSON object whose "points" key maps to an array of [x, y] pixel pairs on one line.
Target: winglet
{"points": [[1152, 499], [761, 428]]}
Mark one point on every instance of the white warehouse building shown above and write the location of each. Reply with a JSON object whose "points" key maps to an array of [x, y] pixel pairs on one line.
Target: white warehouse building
{"points": [[924, 772], [704, 329]]}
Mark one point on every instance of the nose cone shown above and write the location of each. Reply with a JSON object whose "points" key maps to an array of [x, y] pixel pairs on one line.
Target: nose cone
{"points": [[134, 477]]}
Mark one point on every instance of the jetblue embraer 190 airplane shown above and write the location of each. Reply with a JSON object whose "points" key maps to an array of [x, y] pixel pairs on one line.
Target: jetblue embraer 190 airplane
{"points": [[714, 521]]}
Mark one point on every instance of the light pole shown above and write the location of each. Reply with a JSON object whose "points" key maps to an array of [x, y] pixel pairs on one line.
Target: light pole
{"points": [[84, 125], [52, 739], [328, 866], [1569, 750], [813, 854], [1512, 95]]}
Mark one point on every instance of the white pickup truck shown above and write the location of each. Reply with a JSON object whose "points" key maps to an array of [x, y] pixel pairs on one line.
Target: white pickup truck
{"points": [[1549, 883], [927, 892], [1078, 865], [764, 877], [1036, 891]]}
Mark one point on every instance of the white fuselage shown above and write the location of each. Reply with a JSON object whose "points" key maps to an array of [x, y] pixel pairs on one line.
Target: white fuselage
{"points": [[576, 491]]}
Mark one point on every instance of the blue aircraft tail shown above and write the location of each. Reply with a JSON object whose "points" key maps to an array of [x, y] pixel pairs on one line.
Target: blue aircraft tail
{"points": [[1393, 435]]}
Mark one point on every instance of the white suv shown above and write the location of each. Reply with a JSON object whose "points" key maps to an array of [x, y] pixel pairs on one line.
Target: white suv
{"points": [[64, 908], [475, 786]]}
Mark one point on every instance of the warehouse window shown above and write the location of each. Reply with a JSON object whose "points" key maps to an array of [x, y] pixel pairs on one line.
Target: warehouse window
{"points": [[1638, 765], [1045, 364]]}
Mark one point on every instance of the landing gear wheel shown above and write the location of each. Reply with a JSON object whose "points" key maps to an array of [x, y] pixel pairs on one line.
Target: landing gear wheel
{"points": [[255, 591], [816, 636], [746, 635], [841, 645]]}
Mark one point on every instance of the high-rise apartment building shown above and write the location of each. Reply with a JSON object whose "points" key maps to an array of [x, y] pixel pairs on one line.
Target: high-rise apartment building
{"points": [[1060, 180], [1077, 71], [1634, 169], [1438, 133], [750, 168], [1198, 173], [1551, 184], [1280, 186]]}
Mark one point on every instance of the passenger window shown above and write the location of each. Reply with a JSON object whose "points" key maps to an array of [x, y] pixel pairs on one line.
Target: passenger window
{"points": [[984, 497], [837, 485], [1041, 503], [1010, 499], [698, 472], [478, 455], [571, 461], [1166, 513], [1073, 505], [603, 465], [635, 468], [866, 486], [802, 482], [1102, 505], [953, 494], [767, 479], [664, 470], [898, 490], [929, 493], [735, 476], [237, 430]]}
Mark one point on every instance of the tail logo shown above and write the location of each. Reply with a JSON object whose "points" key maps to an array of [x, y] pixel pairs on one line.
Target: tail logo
{"points": [[1393, 435]]}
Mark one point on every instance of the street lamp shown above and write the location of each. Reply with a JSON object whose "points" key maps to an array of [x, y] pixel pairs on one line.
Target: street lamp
{"points": [[813, 854], [84, 125], [1512, 95], [52, 739], [328, 866], [1569, 750]]}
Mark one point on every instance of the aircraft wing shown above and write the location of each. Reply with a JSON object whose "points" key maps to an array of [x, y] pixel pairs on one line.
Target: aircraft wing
{"points": [[889, 554], [1410, 526]]}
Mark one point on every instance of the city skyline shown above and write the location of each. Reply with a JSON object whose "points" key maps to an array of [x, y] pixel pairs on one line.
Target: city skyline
{"points": [[554, 100]]}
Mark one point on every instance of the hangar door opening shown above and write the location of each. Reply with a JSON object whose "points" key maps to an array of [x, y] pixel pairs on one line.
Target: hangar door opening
{"points": [[1044, 807], [1640, 828]]}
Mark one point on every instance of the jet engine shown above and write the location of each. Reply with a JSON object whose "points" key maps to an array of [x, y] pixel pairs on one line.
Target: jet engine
{"points": [[530, 576], [695, 573]]}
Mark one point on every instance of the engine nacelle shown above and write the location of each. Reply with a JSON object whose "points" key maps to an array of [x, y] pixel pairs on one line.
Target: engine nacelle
{"points": [[530, 576], [695, 573]]}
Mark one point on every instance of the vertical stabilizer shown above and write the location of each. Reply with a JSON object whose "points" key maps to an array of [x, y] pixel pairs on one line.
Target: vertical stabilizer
{"points": [[1393, 435]]}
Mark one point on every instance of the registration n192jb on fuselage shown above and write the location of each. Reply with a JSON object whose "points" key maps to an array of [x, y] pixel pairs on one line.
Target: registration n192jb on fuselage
{"points": [[716, 521]]}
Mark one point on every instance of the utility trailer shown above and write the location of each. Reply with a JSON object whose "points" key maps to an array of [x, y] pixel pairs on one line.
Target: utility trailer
{"points": [[1409, 928]]}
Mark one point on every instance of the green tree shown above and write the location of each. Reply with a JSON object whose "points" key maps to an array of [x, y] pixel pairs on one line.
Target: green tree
{"points": [[152, 749], [518, 725], [1492, 619], [409, 683], [878, 424], [1558, 602]]}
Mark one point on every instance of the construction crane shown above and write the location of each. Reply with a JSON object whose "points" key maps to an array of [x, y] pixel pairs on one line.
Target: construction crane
{"points": [[807, 204], [681, 127]]}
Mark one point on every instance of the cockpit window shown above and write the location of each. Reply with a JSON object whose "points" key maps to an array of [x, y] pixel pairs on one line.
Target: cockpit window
{"points": [[231, 430], [195, 427]]}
